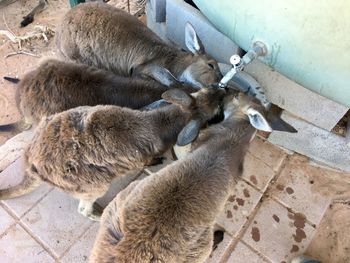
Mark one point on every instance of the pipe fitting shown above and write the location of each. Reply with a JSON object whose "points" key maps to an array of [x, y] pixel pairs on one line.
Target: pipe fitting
{"points": [[259, 49]]}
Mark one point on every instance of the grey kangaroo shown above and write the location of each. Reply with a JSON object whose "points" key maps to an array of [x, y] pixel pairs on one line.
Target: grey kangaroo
{"points": [[81, 150], [106, 37], [169, 216], [56, 86]]}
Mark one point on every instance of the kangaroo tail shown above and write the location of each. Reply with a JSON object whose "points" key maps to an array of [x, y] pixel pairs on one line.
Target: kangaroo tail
{"points": [[27, 185], [13, 80], [15, 127]]}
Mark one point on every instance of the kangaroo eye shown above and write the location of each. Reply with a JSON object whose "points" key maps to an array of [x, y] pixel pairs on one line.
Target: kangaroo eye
{"points": [[211, 65]]}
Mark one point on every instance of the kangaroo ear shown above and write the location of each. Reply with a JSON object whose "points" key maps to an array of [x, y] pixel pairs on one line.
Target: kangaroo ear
{"points": [[258, 121], [192, 41], [178, 97], [277, 124], [162, 75], [189, 133]]}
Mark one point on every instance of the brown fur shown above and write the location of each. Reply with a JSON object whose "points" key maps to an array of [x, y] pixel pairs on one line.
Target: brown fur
{"points": [[56, 86], [81, 150], [169, 216], [109, 38]]}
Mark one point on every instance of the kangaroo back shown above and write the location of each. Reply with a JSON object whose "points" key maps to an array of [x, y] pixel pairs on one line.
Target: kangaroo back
{"points": [[106, 37]]}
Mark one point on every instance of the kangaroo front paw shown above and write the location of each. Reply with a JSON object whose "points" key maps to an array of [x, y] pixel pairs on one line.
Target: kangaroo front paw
{"points": [[90, 210]]}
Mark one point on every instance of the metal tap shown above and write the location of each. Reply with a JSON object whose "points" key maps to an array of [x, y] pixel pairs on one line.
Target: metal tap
{"points": [[238, 63]]}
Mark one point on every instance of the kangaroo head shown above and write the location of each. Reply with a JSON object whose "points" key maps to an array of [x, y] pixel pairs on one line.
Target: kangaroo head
{"points": [[203, 105], [244, 106], [202, 70], [165, 77]]}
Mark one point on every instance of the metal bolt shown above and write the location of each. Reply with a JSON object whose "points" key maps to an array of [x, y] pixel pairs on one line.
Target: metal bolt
{"points": [[235, 59]]}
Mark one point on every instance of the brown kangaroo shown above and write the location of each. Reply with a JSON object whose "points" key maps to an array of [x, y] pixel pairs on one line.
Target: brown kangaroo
{"points": [[81, 150], [56, 86], [100, 35], [169, 216]]}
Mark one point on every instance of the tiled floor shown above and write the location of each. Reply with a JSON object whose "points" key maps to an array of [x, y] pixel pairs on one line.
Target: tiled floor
{"points": [[272, 216]]}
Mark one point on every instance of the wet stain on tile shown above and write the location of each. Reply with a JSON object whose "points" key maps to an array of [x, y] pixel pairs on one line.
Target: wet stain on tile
{"points": [[299, 235], [246, 193], [240, 201], [229, 214], [231, 198], [295, 248], [280, 187], [289, 190], [255, 234], [276, 218], [299, 220], [290, 215], [253, 179]]}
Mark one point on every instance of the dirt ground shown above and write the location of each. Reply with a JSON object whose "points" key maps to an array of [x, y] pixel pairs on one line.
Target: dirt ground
{"points": [[332, 241]]}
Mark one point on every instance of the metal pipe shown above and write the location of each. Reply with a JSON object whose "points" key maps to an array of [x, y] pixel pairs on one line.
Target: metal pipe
{"points": [[238, 63]]}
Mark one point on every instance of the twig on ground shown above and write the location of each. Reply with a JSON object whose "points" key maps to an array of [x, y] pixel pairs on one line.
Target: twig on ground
{"points": [[341, 201], [8, 28], [43, 32], [21, 52]]}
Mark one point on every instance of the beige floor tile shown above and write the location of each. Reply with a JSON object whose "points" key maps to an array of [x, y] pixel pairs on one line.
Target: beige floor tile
{"points": [[267, 152], [257, 172], [295, 188], [13, 148], [238, 208], [278, 234], [218, 252], [81, 250], [13, 175], [243, 254], [19, 206], [5, 220], [56, 222], [18, 246]]}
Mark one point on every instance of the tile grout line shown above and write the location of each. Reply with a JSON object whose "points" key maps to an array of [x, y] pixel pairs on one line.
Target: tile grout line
{"points": [[29, 232], [74, 242], [38, 240], [91, 225], [242, 231], [254, 186], [237, 237], [8, 164], [256, 251], [37, 202], [290, 210], [269, 190], [12, 216]]}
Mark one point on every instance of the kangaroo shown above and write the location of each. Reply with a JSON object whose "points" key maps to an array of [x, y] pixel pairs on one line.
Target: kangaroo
{"points": [[100, 35], [170, 215], [83, 149], [56, 86]]}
